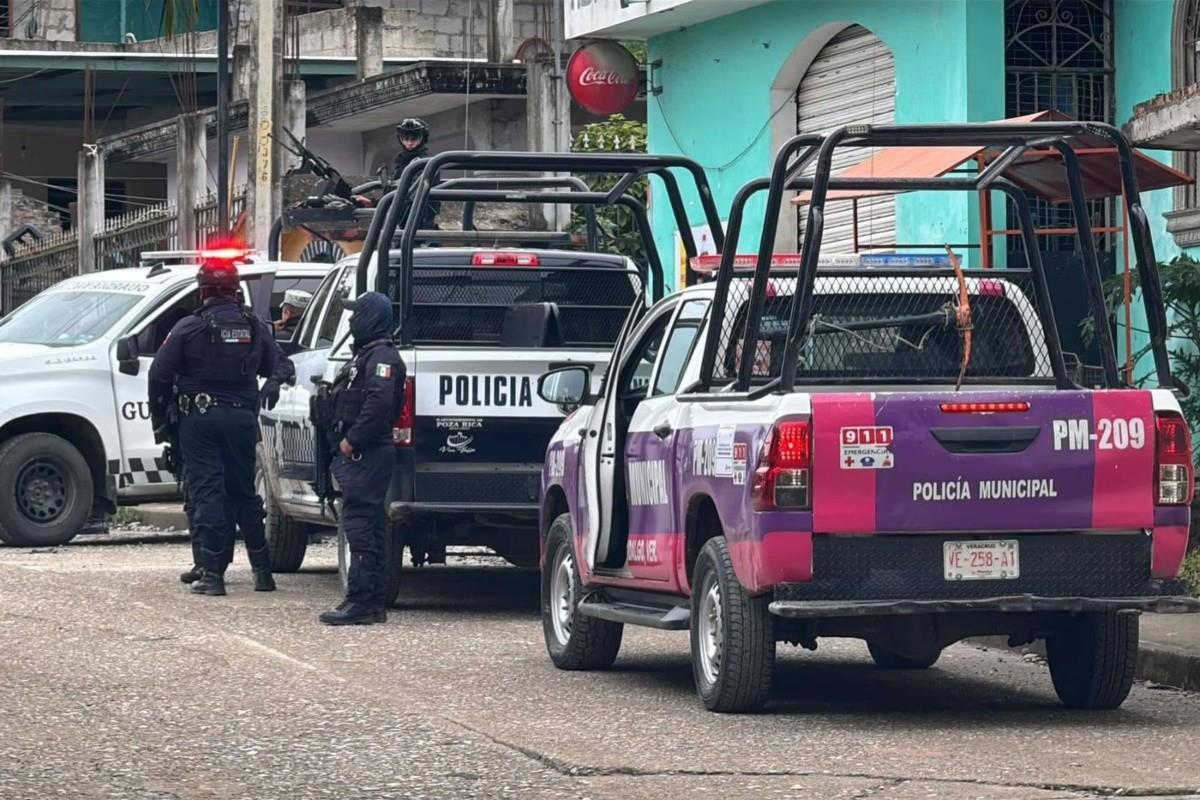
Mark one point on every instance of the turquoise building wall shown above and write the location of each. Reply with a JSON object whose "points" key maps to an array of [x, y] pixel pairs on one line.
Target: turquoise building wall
{"points": [[717, 103]]}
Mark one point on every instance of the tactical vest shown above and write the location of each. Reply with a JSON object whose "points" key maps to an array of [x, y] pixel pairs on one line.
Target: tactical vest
{"points": [[232, 350], [349, 390]]}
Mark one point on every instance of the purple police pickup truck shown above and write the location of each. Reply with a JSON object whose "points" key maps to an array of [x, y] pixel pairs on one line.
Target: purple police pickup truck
{"points": [[899, 455]]}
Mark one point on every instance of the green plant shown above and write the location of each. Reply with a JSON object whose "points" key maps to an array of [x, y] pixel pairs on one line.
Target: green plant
{"points": [[172, 11], [125, 515], [1180, 282], [1191, 571], [619, 232]]}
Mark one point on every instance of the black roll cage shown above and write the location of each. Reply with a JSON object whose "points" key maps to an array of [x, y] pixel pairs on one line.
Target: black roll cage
{"points": [[428, 187], [1016, 139]]}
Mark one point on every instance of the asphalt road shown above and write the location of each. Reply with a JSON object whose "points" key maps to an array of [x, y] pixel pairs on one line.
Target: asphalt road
{"points": [[116, 683]]}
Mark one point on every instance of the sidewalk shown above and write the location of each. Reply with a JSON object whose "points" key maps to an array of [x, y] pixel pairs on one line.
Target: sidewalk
{"points": [[1170, 650], [167, 516]]}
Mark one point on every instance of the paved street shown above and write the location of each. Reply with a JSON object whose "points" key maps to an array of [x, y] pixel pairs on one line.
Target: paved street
{"points": [[114, 682]]}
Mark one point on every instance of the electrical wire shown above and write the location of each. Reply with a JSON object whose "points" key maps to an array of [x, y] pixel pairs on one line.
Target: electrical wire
{"points": [[745, 151], [151, 201]]}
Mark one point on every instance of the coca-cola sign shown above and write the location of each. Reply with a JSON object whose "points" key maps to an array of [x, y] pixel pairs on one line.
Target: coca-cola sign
{"points": [[603, 77]]}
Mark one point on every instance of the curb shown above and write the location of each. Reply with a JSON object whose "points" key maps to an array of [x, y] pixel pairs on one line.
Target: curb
{"points": [[165, 516], [1158, 663]]}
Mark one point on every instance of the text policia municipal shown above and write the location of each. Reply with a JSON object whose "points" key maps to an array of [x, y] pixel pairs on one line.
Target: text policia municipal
{"points": [[1013, 489]]}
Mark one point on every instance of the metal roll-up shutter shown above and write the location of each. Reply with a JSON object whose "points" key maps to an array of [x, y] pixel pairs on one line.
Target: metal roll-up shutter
{"points": [[851, 81]]}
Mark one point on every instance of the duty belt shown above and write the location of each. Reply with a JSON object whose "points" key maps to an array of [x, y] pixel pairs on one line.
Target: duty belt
{"points": [[202, 402]]}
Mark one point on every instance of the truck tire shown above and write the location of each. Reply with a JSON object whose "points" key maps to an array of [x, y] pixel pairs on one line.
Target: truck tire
{"points": [[393, 561], [46, 490], [1092, 659], [287, 539], [886, 659], [574, 642], [733, 635]]}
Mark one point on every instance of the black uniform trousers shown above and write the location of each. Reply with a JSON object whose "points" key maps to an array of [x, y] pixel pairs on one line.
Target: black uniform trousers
{"points": [[363, 480], [219, 450]]}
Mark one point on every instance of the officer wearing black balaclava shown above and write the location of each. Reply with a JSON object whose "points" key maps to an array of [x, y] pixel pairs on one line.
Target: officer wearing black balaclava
{"points": [[368, 395]]}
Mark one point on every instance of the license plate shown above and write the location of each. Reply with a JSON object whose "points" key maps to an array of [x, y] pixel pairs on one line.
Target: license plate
{"points": [[982, 561]]}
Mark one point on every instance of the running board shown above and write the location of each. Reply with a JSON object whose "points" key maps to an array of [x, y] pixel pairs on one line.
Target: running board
{"points": [[633, 612]]}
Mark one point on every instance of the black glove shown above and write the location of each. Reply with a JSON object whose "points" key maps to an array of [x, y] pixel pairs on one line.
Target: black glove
{"points": [[269, 395]]}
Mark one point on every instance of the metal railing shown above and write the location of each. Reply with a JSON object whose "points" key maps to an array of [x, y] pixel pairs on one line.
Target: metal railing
{"points": [[126, 236], [36, 268], [39, 266]]}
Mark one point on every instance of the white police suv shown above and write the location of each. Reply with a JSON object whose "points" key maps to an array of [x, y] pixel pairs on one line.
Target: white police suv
{"points": [[75, 434]]}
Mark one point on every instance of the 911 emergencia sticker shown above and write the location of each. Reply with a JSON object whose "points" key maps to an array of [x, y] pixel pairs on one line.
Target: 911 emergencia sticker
{"points": [[867, 447]]}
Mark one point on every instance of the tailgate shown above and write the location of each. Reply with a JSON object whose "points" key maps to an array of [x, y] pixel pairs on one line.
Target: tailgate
{"points": [[933, 462], [481, 406]]}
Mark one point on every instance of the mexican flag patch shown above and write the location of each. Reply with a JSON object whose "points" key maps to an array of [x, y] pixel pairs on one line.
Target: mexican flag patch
{"points": [[383, 371]]}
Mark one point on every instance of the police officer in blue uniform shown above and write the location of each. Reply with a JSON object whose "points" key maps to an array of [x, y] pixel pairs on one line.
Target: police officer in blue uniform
{"points": [[368, 395], [214, 359]]}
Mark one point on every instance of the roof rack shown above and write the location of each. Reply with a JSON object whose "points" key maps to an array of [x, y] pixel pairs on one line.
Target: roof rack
{"points": [[421, 183], [1013, 140]]}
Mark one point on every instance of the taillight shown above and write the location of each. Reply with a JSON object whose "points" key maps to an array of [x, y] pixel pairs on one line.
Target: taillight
{"points": [[1173, 459], [781, 480], [402, 428], [505, 259]]}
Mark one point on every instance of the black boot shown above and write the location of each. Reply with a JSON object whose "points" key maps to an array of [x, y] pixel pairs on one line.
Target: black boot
{"points": [[260, 562], [212, 576], [353, 614], [211, 583], [196, 572]]}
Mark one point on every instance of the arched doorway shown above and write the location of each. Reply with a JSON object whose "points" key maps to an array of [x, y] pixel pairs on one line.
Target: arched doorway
{"points": [[852, 80]]}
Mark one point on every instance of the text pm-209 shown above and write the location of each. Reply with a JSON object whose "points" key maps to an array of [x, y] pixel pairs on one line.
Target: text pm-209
{"points": [[1110, 434]]}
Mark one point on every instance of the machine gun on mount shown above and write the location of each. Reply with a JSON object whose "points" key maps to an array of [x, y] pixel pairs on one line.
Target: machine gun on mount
{"points": [[323, 227]]}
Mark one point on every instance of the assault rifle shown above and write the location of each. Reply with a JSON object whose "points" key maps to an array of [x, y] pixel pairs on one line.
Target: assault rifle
{"points": [[321, 414]]}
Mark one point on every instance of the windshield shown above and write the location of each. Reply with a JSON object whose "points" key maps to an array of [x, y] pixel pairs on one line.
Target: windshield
{"points": [[66, 318]]}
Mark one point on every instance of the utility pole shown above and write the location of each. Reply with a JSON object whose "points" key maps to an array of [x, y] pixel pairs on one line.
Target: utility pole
{"points": [[263, 189], [223, 117]]}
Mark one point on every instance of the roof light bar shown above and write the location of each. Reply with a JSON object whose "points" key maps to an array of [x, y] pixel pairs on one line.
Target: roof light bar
{"points": [[710, 263]]}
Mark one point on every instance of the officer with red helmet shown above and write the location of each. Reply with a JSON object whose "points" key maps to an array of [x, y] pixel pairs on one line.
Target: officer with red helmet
{"points": [[209, 365]]}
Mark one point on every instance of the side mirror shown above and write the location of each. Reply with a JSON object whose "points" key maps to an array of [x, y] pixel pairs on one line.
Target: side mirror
{"points": [[127, 356], [1181, 388], [566, 386]]}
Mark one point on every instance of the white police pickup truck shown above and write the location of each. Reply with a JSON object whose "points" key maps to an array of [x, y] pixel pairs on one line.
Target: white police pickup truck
{"points": [[75, 434], [472, 436]]}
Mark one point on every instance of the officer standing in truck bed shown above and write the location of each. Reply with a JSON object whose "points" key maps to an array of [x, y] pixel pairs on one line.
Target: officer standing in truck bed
{"points": [[214, 359]]}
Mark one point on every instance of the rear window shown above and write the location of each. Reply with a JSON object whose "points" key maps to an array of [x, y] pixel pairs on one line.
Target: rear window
{"points": [[879, 336], [520, 307]]}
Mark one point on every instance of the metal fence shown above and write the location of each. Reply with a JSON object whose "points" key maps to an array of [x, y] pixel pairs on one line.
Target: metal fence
{"points": [[206, 216], [36, 268], [126, 236], [121, 244]]}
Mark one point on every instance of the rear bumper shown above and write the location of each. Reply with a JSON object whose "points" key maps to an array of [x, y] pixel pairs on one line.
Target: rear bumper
{"points": [[817, 609], [904, 574]]}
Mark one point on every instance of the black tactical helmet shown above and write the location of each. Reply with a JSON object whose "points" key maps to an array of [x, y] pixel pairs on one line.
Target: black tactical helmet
{"points": [[413, 126], [218, 270]]}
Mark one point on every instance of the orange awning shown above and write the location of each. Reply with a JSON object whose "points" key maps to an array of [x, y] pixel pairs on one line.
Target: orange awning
{"points": [[1038, 171]]}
